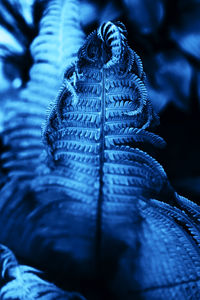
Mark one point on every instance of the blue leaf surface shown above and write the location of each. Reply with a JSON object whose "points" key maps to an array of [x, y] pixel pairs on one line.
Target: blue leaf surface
{"points": [[98, 208]]}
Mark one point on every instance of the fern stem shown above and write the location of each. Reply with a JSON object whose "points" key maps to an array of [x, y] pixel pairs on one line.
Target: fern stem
{"points": [[101, 175]]}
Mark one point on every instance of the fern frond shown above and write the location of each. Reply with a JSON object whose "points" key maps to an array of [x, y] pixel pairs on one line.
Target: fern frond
{"points": [[181, 218], [93, 166], [170, 249], [23, 282], [108, 183], [95, 188], [68, 133], [24, 115]]}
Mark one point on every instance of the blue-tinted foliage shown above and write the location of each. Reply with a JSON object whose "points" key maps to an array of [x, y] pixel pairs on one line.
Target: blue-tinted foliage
{"points": [[87, 202], [23, 282]]}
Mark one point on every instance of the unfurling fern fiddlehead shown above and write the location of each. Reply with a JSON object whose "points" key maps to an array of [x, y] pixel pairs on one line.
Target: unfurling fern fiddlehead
{"points": [[97, 118]]}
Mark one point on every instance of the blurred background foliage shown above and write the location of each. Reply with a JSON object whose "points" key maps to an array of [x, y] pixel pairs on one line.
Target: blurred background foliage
{"points": [[166, 35]]}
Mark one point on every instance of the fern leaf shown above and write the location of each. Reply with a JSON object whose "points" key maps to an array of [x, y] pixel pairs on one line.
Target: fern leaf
{"points": [[68, 131], [170, 249], [114, 197], [26, 113], [23, 282], [96, 191]]}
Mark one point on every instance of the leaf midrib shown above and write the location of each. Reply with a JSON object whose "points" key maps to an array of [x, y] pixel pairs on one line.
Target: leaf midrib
{"points": [[100, 198]]}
